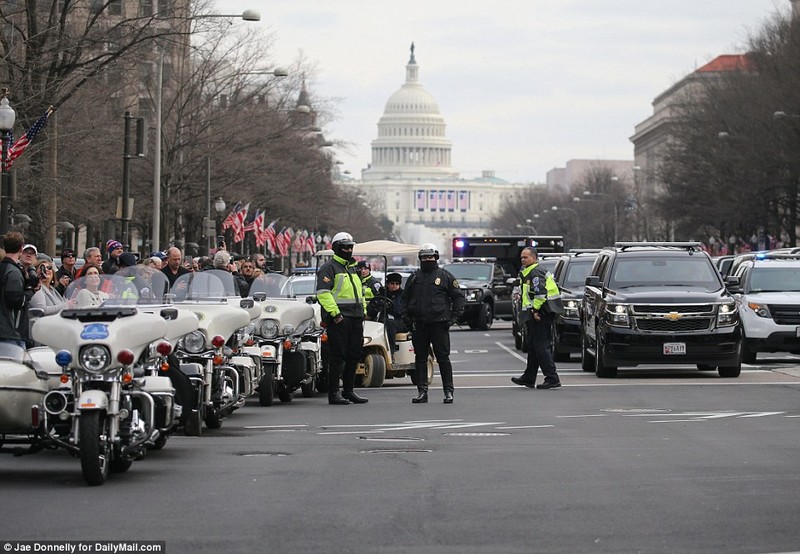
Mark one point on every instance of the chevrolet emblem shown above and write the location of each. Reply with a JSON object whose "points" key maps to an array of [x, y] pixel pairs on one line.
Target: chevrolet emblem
{"points": [[673, 316]]}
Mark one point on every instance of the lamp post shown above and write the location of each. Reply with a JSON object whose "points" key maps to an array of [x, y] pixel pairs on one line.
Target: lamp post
{"points": [[219, 207], [528, 225], [577, 222], [7, 117], [589, 195]]}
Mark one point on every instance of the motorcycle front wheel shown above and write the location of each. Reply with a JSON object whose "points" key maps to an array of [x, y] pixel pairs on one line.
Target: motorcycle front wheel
{"points": [[95, 447]]}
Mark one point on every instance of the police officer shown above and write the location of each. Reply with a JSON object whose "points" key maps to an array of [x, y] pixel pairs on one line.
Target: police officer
{"points": [[539, 294], [341, 295], [372, 286], [431, 302], [394, 313]]}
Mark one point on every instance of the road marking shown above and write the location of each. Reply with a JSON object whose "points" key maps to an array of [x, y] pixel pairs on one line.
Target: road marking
{"points": [[763, 414], [584, 415], [273, 426], [476, 351], [513, 353], [526, 427], [408, 425]]}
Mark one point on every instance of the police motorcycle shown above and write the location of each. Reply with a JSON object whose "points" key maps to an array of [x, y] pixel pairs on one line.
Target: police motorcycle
{"points": [[207, 354], [379, 362], [104, 344], [289, 340]]}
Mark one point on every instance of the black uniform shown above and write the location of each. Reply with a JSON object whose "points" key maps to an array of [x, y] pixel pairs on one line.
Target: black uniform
{"points": [[431, 301]]}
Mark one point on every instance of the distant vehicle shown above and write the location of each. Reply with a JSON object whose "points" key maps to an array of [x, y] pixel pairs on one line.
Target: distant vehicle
{"points": [[505, 249]]}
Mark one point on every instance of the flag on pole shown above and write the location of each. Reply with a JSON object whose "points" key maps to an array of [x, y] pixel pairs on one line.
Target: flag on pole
{"points": [[229, 221], [258, 228], [238, 224], [17, 148], [271, 236]]}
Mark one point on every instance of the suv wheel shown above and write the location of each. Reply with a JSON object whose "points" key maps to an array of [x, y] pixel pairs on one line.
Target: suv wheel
{"points": [[485, 317], [730, 371], [600, 367]]}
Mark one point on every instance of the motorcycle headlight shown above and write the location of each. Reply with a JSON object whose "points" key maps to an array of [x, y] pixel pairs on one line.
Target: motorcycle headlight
{"points": [[94, 358], [194, 342], [288, 329], [268, 329]]}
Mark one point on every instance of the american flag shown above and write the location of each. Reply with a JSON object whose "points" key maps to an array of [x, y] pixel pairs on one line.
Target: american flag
{"points": [[270, 235], [280, 243], [258, 228], [442, 201], [17, 148], [432, 200], [463, 200], [451, 200], [238, 224], [231, 219]]}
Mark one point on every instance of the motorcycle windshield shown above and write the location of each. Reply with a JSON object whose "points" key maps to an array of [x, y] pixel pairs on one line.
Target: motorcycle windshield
{"points": [[212, 284], [151, 284], [273, 285], [94, 290]]}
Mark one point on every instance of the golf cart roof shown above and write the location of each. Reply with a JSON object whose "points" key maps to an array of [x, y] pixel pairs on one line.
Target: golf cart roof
{"points": [[379, 248]]}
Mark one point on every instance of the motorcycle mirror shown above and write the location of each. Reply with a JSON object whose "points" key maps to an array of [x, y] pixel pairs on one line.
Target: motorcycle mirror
{"points": [[311, 299], [34, 313], [259, 296], [246, 303]]}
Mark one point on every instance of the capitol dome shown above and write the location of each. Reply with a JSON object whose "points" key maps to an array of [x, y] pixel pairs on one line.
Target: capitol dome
{"points": [[411, 141]]}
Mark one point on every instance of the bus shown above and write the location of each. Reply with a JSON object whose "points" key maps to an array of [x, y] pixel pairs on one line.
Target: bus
{"points": [[505, 249]]}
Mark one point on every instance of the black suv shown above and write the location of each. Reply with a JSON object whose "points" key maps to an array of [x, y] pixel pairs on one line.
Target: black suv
{"points": [[658, 303], [570, 275], [487, 288]]}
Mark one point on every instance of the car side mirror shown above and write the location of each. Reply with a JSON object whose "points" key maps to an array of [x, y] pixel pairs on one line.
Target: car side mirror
{"points": [[733, 284], [593, 281]]}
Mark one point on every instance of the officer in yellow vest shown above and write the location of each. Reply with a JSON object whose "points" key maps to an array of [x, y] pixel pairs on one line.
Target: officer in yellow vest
{"points": [[341, 295], [541, 299]]}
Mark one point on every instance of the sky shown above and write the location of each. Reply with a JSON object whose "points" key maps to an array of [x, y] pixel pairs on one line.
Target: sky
{"points": [[523, 85]]}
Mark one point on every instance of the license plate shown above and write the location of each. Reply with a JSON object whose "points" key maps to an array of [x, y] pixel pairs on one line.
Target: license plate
{"points": [[674, 348]]}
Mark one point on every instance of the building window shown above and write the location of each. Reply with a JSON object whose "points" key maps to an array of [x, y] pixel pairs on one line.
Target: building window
{"points": [[145, 8]]}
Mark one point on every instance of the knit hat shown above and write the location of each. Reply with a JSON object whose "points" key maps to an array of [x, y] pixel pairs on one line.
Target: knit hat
{"points": [[67, 252], [362, 264], [113, 245], [394, 278]]}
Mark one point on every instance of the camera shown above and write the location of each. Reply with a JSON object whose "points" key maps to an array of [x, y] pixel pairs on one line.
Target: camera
{"points": [[220, 241], [31, 279]]}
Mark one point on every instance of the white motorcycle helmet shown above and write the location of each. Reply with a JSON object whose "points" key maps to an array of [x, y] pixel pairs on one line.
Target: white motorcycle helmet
{"points": [[342, 240], [428, 249]]}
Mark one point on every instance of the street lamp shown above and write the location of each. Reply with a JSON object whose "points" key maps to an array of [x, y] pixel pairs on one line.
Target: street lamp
{"points": [[7, 118], [577, 222], [588, 195], [528, 225], [219, 208]]}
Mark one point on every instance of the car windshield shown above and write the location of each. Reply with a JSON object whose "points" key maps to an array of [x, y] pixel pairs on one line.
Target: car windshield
{"points": [[577, 271], [688, 271], [471, 272], [775, 279]]}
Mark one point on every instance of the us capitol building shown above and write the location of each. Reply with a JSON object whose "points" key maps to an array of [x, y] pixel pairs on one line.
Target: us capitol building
{"points": [[411, 180]]}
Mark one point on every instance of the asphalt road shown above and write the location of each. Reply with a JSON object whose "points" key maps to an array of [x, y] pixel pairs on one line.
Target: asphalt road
{"points": [[669, 460]]}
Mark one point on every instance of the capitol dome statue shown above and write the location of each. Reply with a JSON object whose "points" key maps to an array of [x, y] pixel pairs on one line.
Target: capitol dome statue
{"points": [[411, 141]]}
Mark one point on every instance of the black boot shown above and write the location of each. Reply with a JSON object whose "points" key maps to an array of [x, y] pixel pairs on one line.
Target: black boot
{"points": [[353, 397], [336, 398], [422, 397], [448, 397]]}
